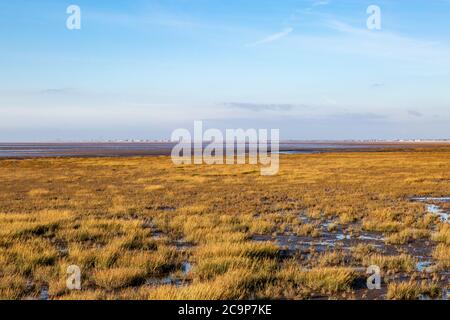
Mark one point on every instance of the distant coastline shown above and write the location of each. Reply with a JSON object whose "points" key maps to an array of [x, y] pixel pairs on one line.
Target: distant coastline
{"points": [[141, 148]]}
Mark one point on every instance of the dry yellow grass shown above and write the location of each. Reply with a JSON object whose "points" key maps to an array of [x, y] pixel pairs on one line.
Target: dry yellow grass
{"points": [[412, 290], [401, 262], [443, 235], [442, 255]]}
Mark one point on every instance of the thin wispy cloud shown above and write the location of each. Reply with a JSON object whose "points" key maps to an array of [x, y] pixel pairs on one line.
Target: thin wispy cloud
{"points": [[258, 107], [367, 116], [272, 37], [320, 3], [391, 45], [415, 113], [58, 91]]}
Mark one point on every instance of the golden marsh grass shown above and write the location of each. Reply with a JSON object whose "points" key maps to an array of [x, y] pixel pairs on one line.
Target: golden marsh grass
{"points": [[131, 224]]}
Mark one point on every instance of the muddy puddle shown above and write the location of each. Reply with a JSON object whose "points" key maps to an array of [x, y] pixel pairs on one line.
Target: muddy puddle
{"points": [[182, 244], [433, 207], [293, 244], [340, 238], [444, 296], [177, 279], [424, 266], [180, 276], [186, 267], [44, 295], [335, 237], [343, 240]]}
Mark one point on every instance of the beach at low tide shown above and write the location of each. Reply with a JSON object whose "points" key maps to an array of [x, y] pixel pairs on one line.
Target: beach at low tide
{"points": [[127, 149]]}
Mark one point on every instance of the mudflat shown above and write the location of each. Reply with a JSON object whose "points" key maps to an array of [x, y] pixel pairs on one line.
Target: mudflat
{"points": [[130, 149]]}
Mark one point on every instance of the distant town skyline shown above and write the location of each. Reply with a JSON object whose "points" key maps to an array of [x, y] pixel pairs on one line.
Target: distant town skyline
{"points": [[141, 69]]}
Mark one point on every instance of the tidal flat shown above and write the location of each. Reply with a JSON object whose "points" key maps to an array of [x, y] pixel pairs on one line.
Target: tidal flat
{"points": [[144, 228]]}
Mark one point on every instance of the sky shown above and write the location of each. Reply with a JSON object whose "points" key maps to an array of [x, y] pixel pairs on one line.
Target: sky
{"points": [[141, 69]]}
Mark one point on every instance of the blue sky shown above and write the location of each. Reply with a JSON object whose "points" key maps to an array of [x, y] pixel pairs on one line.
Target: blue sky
{"points": [[141, 69]]}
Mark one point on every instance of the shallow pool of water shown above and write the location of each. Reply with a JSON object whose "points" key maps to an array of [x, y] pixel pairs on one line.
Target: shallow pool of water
{"points": [[445, 296], [186, 267], [434, 208], [44, 295], [343, 237], [424, 266], [431, 199]]}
